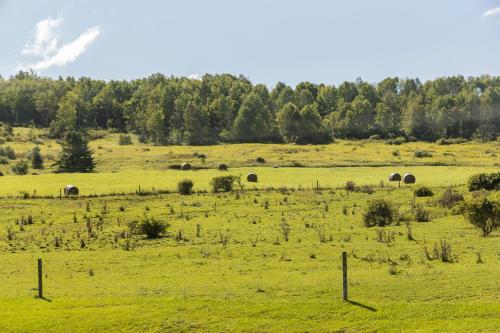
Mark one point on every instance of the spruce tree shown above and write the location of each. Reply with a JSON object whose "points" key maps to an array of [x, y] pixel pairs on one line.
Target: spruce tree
{"points": [[36, 158], [76, 155]]}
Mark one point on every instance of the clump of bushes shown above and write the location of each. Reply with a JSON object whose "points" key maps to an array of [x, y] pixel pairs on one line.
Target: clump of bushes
{"points": [[380, 213], [350, 186], [151, 227], [397, 141], [450, 198], [223, 183], [8, 152], [20, 168], [483, 213], [4, 160], [185, 187], [124, 140], [454, 141], [422, 153], [423, 191], [484, 181]]}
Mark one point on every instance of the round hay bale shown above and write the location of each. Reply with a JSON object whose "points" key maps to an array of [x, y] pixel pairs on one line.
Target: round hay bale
{"points": [[71, 190], [222, 167], [252, 177], [408, 178], [394, 177], [185, 166]]}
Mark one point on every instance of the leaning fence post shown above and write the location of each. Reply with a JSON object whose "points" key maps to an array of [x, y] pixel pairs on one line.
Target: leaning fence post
{"points": [[344, 276], [40, 284]]}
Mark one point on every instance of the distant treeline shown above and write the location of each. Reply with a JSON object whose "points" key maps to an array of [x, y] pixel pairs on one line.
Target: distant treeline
{"points": [[228, 108]]}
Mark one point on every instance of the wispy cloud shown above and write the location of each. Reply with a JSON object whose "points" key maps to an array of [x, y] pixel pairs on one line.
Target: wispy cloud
{"points": [[492, 12], [195, 76], [46, 46]]}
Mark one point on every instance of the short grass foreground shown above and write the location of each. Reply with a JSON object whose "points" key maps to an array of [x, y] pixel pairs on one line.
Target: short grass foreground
{"points": [[224, 264]]}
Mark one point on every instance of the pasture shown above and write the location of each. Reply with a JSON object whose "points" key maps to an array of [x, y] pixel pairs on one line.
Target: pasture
{"points": [[224, 263]]}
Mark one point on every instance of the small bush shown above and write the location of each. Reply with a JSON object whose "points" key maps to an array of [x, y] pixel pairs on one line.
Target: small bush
{"points": [[484, 181], [397, 141], [185, 186], [124, 140], [20, 168], [223, 183], [420, 214], [423, 191], [260, 160], [483, 213], [9, 153], [422, 154], [150, 227], [4, 160], [379, 213], [454, 141], [350, 186], [450, 198]]}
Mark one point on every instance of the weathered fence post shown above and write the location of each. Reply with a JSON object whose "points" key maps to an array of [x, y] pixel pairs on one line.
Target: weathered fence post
{"points": [[40, 275], [344, 276]]}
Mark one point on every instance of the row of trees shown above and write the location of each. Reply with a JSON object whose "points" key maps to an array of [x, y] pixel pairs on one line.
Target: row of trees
{"points": [[173, 110]]}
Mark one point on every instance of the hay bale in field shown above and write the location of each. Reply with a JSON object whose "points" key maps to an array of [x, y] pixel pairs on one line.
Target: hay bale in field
{"points": [[222, 167], [408, 178], [252, 177], [394, 177], [71, 190], [185, 166]]}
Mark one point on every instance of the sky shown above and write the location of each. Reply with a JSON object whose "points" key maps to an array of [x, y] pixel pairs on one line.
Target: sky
{"points": [[321, 41]]}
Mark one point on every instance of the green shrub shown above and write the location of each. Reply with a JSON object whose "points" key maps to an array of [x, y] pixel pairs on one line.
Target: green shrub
{"points": [[422, 153], [150, 227], [350, 186], [9, 152], [260, 160], [124, 140], [380, 213], [484, 181], [450, 198], [20, 168], [185, 187], [4, 160], [454, 141], [223, 183], [483, 213], [420, 214], [423, 191], [397, 141]]}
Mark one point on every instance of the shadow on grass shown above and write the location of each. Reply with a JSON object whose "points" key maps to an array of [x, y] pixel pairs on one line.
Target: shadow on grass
{"points": [[44, 299], [362, 305]]}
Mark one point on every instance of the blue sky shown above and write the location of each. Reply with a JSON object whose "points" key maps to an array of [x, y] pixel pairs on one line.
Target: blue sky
{"points": [[268, 41]]}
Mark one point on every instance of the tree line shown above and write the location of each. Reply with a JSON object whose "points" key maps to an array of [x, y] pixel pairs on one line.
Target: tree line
{"points": [[226, 108]]}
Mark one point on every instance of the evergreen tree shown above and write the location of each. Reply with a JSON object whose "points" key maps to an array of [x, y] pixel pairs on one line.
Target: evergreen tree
{"points": [[76, 155], [36, 158]]}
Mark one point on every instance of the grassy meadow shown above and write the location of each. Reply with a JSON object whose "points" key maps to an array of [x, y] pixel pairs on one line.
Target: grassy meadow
{"points": [[224, 263]]}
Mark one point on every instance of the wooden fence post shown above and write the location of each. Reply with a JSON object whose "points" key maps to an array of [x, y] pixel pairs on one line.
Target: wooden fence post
{"points": [[344, 276], [40, 276]]}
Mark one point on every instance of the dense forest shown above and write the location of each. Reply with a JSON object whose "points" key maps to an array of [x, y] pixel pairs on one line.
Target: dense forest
{"points": [[225, 108]]}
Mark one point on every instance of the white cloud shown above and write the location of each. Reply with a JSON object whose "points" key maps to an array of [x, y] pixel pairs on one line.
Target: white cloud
{"points": [[45, 38], [492, 12], [46, 45], [194, 76]]}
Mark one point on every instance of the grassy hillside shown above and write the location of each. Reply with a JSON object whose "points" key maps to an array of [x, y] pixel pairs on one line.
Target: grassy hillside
{"points": [[224, 263]]}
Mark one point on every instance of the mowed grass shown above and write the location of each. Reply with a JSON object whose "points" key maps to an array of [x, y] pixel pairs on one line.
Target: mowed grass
{"points": [[224, 264], [256, 281], [128, 181]]}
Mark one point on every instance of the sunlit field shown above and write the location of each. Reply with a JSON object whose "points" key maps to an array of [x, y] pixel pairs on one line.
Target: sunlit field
{"points": [[224, 263]]}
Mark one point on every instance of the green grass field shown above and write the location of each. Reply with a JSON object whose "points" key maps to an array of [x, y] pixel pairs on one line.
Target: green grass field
{"points": [[224, 264]]}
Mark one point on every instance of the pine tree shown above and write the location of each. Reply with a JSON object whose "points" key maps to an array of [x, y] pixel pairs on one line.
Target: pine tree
{"points": [[76, 155], [36, 158]]}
